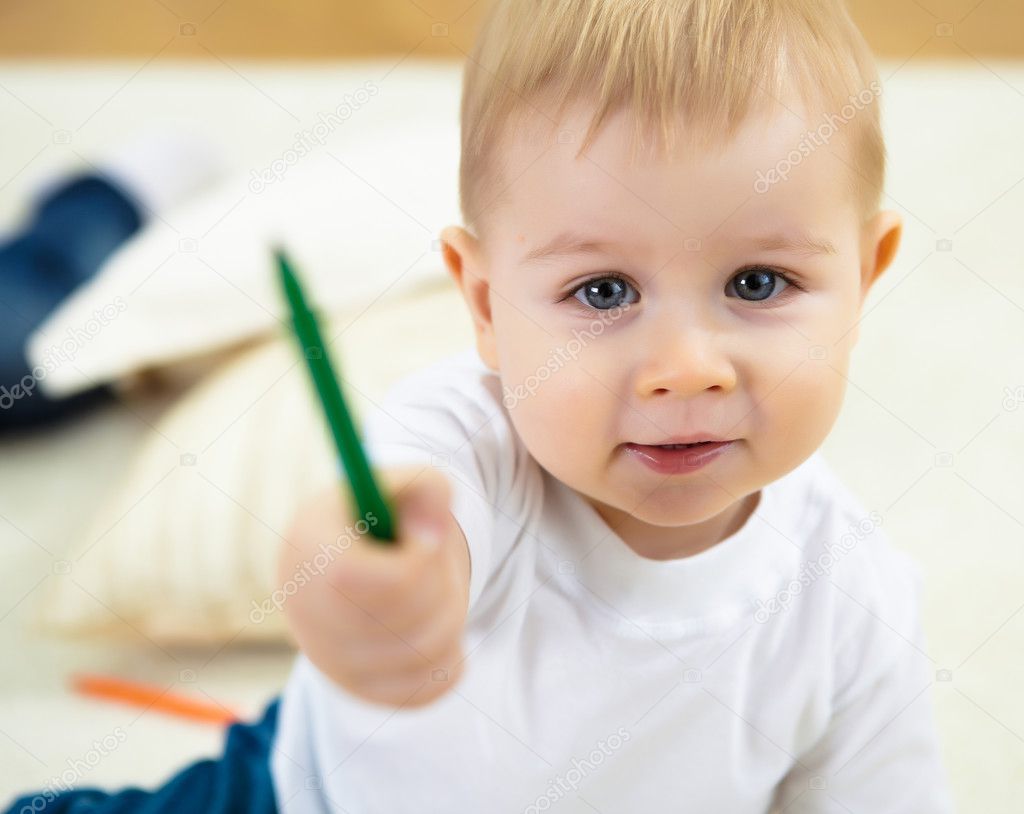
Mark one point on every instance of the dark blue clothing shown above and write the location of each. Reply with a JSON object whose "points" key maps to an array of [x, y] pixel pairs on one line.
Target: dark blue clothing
{"points": [[76, 226], [238, 782]]}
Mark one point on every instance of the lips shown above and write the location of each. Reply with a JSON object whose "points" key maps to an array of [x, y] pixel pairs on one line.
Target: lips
{"points": [[686, 440], [676, 459]]}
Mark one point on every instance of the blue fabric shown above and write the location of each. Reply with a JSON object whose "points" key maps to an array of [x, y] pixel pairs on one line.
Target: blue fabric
{"points": [[238, 782], [73, 230]]}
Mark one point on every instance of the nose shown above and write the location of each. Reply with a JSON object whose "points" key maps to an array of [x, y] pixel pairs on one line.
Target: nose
{"points": [[683, 358]]}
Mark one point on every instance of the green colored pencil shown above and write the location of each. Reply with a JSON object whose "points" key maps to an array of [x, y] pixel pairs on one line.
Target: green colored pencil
{"points": [[369, 501]]}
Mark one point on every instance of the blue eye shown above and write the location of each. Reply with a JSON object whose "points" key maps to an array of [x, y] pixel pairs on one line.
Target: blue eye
{"points": [[604, 293], [759, 282]]}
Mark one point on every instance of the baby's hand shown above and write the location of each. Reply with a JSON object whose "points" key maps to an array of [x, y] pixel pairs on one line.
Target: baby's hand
{"points": [[383, 621]]}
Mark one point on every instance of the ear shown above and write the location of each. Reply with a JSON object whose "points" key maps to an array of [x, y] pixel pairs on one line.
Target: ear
{"points": [[880, 238], [464, 260]]}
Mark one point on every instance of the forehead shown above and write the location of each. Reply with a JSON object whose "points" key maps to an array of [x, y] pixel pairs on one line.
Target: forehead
{"points": [[735, 188]]}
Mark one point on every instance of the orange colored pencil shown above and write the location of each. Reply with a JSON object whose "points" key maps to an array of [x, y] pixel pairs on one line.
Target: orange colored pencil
{"points": [[152, 697]]}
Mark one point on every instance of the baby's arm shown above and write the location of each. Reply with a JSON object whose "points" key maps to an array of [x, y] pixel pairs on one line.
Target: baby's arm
{"points": [[380, 621]]}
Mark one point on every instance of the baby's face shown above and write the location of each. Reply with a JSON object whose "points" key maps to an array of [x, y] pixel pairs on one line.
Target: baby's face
{"points": [[665, 311]]}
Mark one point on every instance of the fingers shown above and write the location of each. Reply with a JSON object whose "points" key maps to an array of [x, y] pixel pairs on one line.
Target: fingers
{"points": [[382, 648], [414, 483], [382, 577], [371, 572], [382, 618]]}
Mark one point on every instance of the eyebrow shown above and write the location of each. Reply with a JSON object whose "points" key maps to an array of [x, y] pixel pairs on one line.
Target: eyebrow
{"points": [[567, 243], [798, 244], [570, 243]]}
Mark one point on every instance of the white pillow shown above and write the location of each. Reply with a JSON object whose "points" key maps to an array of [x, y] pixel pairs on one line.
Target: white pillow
{"points": [[183, 551], [359, 215]]}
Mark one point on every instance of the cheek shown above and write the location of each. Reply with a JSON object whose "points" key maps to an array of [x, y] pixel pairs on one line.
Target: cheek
{"points": [[801, 344], [559, 435], [832, 317], [798, 414], [521, 342], [539, 354], [796, 383], [558, 410], [556, 400]]}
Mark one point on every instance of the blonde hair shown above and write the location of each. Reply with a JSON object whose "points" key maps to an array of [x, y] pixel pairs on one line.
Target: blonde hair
{"points": [[714, 61]]}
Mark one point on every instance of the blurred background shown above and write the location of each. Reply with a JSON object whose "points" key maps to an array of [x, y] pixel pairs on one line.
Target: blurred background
{"points": [[150, 461]]}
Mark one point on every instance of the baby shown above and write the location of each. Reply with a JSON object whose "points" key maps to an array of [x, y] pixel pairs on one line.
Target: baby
{"points": [[625, 579]]}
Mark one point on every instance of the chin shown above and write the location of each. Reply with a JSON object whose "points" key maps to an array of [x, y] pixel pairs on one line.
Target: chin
{"points": [[679, 506], [673, 516]]}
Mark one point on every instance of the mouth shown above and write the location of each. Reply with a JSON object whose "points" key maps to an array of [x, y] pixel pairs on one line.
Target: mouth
{"points": [[681, 446], [693, 439], [677, 458]]}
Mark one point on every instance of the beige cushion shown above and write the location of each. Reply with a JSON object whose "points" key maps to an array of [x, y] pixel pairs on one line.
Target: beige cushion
{"points": [[187, 541]]}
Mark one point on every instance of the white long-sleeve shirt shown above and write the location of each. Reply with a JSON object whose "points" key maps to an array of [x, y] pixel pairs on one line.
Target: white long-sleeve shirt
{"points": [[783, 667]]}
